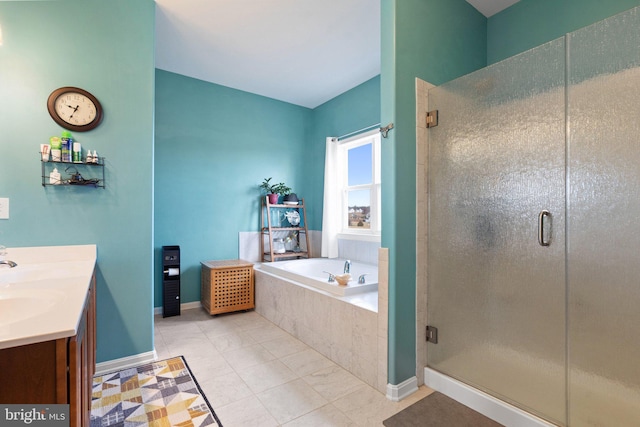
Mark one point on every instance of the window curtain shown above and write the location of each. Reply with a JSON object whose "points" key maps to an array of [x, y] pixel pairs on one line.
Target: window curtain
{"points": [[331, 205]]}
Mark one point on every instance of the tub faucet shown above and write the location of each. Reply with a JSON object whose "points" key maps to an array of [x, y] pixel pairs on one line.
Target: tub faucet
{"points": [[9, 263], [332, 278], [347, 266]]}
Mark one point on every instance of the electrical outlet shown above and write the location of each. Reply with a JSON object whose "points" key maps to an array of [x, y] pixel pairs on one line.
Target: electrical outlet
{"points": [[4, 208]]}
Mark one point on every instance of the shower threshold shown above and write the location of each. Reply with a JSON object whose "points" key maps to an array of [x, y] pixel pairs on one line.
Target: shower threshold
{"points": [[500, 364], [482, 402]]}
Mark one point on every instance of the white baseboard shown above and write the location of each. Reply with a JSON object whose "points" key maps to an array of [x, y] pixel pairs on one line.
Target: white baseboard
{"points": [[398, 392], [479, 401], [185, 306], [125, 362]]}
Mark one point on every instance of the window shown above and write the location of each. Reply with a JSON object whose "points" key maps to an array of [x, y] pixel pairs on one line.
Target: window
{"points": [[359, 182]]}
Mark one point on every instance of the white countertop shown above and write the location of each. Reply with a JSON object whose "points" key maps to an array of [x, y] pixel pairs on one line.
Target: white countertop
{"points": [[42, 298]]}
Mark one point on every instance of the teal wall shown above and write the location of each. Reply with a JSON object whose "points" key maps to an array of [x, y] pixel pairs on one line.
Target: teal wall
{"points": [[214, 146], [530, 23], [351, 111], [435, 40], [211, 156], [48, 45]]}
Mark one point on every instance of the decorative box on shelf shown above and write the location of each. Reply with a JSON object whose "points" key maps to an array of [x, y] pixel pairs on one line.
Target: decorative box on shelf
{"points": [[227, 286]]}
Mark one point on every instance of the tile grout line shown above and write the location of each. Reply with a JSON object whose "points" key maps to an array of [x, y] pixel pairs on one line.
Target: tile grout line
{"points": [[170, 346]]}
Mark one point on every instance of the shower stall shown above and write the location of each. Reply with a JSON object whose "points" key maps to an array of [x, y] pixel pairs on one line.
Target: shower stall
{"points": [[534, 228]]}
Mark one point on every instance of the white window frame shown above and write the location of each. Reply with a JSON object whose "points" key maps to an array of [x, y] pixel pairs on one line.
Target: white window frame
{"points": [[374, 232]]}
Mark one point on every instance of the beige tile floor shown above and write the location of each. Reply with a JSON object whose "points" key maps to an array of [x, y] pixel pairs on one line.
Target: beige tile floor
{"points": [[256, 374]]}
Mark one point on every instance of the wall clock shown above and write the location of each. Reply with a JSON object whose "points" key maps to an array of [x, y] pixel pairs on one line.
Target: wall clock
{"points": [[74, 109]]}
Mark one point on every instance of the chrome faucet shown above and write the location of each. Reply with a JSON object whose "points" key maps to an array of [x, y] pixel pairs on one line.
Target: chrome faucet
{"points": [[332, 278], [3, 252], [361, 278], [347, 266]]}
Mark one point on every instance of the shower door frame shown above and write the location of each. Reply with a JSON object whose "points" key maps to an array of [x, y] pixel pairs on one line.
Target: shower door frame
{"points": [[498, 163], [486, 404]]}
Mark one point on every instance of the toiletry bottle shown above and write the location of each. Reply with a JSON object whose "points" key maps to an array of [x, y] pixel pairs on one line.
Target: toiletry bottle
{"points": [[89, 158], [67, 146], [45, 149], [77, 152], [56, 146], [54, 177], [95, 157]]}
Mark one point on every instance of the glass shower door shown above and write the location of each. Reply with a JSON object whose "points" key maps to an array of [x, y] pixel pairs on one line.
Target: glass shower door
{"points": [[604, 223], [496, 276]]}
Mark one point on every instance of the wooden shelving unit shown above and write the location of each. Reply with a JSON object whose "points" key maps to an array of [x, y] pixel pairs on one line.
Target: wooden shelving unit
{"points": [[271, 230]]}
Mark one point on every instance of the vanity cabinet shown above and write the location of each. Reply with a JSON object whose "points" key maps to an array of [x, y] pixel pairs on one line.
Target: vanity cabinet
{"points": [[57, 371]]}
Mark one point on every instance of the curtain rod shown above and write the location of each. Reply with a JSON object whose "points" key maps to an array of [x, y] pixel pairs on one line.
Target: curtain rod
{"points": [[377, 125]]}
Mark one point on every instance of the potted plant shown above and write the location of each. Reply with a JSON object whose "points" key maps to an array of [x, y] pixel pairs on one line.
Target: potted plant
{"points": [[288, 196], [281, 189], [270, 190]]}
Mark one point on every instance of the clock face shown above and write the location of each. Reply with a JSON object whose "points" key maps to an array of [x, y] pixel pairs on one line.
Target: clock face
{"points": [[74, 109]]}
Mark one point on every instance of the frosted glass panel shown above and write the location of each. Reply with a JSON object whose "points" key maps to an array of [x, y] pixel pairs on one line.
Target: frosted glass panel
{"points": [[497, 297], [604, 225]]}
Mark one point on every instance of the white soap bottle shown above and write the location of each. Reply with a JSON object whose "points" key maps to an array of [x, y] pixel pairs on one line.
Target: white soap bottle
{"points": [[54, 177]]}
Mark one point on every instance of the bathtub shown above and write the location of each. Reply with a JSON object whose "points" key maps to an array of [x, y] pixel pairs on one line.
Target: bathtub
{"points": [[310, 272]]}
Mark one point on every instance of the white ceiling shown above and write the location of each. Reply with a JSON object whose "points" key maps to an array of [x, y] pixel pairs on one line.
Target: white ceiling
{"points": [[491, 7], [304, 52]]}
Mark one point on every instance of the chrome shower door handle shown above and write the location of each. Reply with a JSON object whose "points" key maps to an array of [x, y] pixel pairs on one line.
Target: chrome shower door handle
{"points": [[541, 216]]}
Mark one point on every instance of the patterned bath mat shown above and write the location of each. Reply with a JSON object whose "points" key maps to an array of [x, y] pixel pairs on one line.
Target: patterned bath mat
{"points": [[157, 394]]}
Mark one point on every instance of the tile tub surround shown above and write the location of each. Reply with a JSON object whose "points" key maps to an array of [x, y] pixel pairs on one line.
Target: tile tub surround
{"points": [[249, 244], [358, 250], [344, 329]]}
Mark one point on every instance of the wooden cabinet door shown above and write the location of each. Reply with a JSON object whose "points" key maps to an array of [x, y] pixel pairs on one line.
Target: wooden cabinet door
{"points": [[79, 390]]}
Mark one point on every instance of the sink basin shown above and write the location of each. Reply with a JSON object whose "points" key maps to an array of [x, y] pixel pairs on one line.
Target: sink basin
{"points": [[35, 272], [17, 305], [42, 298]]}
